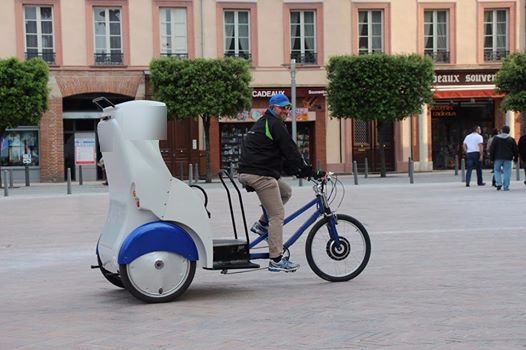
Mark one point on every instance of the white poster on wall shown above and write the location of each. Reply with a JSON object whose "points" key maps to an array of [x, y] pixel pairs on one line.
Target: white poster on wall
{"points": [[85, 149]]}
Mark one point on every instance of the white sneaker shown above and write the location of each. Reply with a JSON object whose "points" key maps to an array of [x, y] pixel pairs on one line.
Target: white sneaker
{"points": [[283, 265]]}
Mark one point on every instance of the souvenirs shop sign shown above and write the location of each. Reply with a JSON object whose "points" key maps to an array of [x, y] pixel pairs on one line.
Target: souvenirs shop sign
{"points": [[464, 77]]}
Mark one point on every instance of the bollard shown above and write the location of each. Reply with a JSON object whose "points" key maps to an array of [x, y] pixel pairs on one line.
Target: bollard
{"points": [[318, 165], [366, 172], [463, 169], [81, 180], [11, 185], [355, 172], [68, 191], [196, 173], [27, 174], [6, 190], [300, 182], [518, 170], [411, 171], [456, 165], [190, 174], [182, 171]]}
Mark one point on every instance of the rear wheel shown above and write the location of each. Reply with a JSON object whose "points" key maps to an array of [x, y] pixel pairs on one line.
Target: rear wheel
{"points": [[333, 262], [158, 277]]}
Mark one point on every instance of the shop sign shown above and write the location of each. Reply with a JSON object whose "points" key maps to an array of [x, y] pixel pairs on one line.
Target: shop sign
{"points": [[443, 111], [266, 93], [302, 115], [85, 150], [26, 158], [467, 77], [300, 92]]}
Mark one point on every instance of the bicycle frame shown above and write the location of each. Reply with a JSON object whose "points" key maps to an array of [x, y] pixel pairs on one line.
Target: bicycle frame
{"points": [[322, 209]]}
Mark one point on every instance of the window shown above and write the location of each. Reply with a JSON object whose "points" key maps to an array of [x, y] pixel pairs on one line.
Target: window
{"points": [[436, 43], [496, 45], [38, 32], [237, 33], [303, 36], [108, 39], [19, 145], [370, 29], [174, 38]]}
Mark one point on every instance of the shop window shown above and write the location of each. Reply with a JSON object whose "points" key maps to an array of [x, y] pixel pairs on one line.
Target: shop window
{"points": [[436, 36], [237, 33], [370, 29], [108, 37], [19, 147], [38, 33], [174, 37], [303, 36], [496, 46]]}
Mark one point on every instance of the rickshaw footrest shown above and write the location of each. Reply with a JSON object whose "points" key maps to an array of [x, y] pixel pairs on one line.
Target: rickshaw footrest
{"points": [[233, 265]]}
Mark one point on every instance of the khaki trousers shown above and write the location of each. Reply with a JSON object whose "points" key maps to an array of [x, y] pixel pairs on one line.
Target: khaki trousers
{"points": [[273, 194]]}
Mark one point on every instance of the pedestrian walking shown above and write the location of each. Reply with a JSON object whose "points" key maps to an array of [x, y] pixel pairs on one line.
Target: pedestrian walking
{"points": [[474, 147], [494, 133], [503, 151], [522, 152]]}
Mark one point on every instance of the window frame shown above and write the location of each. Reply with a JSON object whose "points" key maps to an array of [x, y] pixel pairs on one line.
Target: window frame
{"points": [[287, 38], [451, 28], [356, 8], [511, 28], [302, 36], [494, 24], [174, 51], [156, 18], [221, 7], [236, 32], [122, 5], [56, 23], [370, 30], [22, 129]]}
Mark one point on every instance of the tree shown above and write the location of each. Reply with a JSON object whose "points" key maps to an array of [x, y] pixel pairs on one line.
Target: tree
{"points": [[23, 92], [204, 88], [379, 87], [511, 80]]}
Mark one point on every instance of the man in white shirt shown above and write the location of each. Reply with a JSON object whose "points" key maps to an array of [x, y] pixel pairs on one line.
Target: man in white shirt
{"points": [[473, 147]]}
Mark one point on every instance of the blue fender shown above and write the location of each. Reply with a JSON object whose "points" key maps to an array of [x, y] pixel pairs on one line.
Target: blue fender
{"points": [[157, 236]]}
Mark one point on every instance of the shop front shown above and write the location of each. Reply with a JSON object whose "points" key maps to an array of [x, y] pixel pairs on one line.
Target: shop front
{"points": [[310, 125], [462, 100]]}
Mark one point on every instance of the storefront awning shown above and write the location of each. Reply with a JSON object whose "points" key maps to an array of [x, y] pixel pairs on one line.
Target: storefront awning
{"points": [[450, 94]]}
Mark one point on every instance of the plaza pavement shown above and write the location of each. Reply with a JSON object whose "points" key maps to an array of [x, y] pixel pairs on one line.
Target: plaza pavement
{"points": [[447, 271]]}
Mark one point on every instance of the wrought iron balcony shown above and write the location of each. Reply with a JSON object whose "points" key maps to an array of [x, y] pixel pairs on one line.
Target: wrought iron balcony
{"points": [[49, 57], [438, 56], [108, 59], [369, 52], [495, 55], [175, 54], [240, 54], [304, 58]]}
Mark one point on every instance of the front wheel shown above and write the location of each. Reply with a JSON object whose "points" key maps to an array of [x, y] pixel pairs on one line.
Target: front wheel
{"points": [[158, 277], [333, 262]]}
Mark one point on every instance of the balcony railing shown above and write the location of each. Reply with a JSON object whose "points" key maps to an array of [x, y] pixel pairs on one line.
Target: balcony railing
{"points": [[495, 55], [369, 52], [240, 54], [438, 56], [49, 57], [304, 57], [175, 54], [108, 59]]}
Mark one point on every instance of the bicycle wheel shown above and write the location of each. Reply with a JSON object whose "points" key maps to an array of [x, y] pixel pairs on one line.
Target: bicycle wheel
{"points": [[343, 263]]}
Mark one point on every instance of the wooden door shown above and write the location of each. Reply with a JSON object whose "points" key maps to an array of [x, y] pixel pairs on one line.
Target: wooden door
{"points": [[178, 149], [366, 145]]}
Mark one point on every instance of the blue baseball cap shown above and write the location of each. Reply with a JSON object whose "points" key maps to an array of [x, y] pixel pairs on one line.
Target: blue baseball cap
{"points": [[280, 100]]}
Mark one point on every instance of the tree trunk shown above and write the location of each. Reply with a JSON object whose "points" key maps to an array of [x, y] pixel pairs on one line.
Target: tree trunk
{"points": [[383, 171], [206, 127]]}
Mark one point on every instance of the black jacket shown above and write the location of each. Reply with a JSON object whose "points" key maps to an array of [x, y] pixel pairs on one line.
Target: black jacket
{"points": [[504, 147], [268, 149], [522, 147]]}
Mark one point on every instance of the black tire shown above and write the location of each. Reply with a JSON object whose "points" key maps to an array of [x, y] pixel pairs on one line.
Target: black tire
{"points": [[113, 278], [147, 290], [355, 245]]}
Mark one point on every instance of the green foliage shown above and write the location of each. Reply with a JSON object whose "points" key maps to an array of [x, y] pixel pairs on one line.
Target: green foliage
{"points": [[511, 80], [202, 87], [23, 92], [379, 87]]}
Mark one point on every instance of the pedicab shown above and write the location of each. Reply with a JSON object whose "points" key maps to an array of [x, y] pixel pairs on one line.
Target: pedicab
{"points": [[158, 230]]}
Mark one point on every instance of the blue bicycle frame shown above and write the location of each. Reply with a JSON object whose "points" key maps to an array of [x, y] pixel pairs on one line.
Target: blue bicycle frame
{"points": [[322, 209]]}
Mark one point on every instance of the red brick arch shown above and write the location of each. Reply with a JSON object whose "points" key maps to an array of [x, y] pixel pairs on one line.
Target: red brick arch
{"points": [[123, 83]]}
